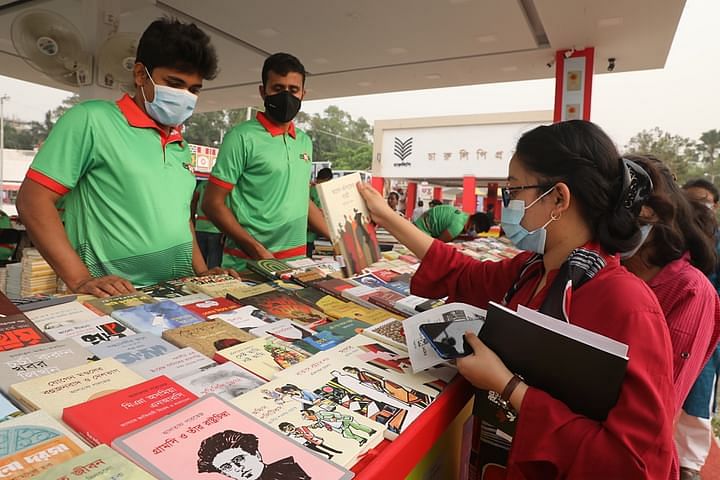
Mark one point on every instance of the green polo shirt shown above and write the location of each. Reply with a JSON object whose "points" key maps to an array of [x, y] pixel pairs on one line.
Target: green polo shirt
{"points": [[268, 174], [202, 222], [443, 217], [127, 189], [315, 198]]}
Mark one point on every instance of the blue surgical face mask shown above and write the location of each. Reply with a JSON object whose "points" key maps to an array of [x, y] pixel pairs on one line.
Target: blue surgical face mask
{"points": [[644, 232], [171, 106], [511, 219]]}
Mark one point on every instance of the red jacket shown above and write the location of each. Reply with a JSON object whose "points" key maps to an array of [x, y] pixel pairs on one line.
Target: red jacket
{"points": [[635, 441]]}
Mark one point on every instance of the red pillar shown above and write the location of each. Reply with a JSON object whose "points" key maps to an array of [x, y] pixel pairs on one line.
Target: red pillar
{"points": [[378, 184], [492, 199], [573, 84], [469, 201], [410, 199], [437, 193]]}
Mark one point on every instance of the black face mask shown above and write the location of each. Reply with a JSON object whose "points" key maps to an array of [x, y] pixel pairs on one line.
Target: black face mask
{"points": [[282, 107]]}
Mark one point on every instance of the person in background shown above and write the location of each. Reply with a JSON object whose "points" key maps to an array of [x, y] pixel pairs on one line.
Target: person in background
{"points": [[392, 200], [435, 202], [417, 213], [323, 175], [264, 168], [693, 429], [125, 174], [677, 250], [446, 223], [209, 238], [572, 203]]}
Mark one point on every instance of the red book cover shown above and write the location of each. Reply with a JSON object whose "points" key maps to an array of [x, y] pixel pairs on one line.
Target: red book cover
{"points": [[386, 299], [213, 306], [103, 419], [17, 331], [334, 286]]}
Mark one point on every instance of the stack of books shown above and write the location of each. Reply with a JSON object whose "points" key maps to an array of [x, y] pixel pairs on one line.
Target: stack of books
{"points": [[37, 275]]}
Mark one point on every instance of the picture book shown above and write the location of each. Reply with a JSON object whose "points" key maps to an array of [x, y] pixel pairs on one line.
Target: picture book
{"points": [[60, 315], [33, 443], [285, 330], [100, 463], [30, 362], [8, 409], [337, 308], [319, 342], [92, 332], [17, 331], [246, 318], [126, 410], [283, 305], [165, 290], [211, 307], [177, 364], [68, 387], [369, 280], [263, 356], [213, 440], [389, 332], [327, 429], [105, 306], [157, 317], [134, 348], [351, 230], [270, 268], [226, 380], [344, 327], [334, 286], [207, 337]]}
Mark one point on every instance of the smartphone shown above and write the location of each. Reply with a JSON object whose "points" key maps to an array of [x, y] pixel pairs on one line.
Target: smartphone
{"points": [[447, 338]]}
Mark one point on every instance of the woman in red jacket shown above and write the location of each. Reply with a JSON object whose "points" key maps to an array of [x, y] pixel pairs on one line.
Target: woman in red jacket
{"points": [[572, 202]]}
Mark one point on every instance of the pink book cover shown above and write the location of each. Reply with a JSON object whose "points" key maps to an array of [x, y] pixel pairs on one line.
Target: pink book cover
{"points": [[212, 440]]}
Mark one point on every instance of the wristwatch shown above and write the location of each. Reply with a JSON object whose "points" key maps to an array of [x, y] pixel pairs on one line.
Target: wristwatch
{"points": [[508, 391]]}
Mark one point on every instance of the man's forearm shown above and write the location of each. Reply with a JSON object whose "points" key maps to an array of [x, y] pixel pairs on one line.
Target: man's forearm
{"points": [[316, 220], [198, 262], [224, 219]]}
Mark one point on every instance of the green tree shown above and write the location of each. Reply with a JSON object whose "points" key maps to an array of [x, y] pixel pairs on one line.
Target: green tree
{"points": [[209, 128], [679, 153], [710, 146]]}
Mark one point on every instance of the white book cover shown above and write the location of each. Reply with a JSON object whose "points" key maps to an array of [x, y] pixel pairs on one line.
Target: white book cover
{"points": [[175, 365], [135, 348], [227, 381], [91, 332], [58, 316]]}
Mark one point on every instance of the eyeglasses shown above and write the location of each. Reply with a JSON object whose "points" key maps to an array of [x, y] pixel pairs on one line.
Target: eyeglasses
{"points": [[507, 192]]}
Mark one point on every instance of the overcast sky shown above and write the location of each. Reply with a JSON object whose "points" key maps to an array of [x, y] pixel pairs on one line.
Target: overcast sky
{"points": [[683, 98]]}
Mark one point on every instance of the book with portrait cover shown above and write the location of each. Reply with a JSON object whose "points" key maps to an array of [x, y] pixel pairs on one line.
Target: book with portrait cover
{"points": [[284, 305], [263, 356], [105, 306], [60, 315], [176, 365], [30, 362], [226, 380], [327, 429], [33, 443], [100, 463], [347, 218], [246, 318], [58, 390], [157, 317], [207, 337], [135, 348], [17, 331], [126, 410], [213, 440]]}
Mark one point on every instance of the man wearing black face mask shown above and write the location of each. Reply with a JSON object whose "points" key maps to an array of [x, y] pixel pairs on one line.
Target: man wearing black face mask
{"points": [[264, 166]]}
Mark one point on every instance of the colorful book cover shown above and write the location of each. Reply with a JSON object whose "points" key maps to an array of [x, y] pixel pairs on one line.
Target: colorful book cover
{"points": [[157, 317], [344, 327], [214, 440], [175, 365], [269, 268], [263, 356], [165, 290], [8, 409], [92, 332], [361, 294], [212, 307], [389, 332], [334, 286], [33, 443], [221, 285], [17, 331], [60, 315], [327, 429], [285, 330], [351, 231], [68, 387], [337, 308], [135, 348], [247, 318], [283, 305], [105, 306], [100, 463], [207, 337], [226, 380], [369, 280], [126, 410], [319, 342], [238, 294], [30, 362]]}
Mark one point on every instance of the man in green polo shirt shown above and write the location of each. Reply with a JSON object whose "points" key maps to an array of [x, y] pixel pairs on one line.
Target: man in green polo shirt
{"points": [[446, 222], [124, 172], [208, 236], [264, 166]]}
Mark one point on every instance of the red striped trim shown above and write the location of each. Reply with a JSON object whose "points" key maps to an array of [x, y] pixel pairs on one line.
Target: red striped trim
{"points": [[289, 253], [220, 183], [137, 118], [47, 182], [9, 246], [273, 128]]}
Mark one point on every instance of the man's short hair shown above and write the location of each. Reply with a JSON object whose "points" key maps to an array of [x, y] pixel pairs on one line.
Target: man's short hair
{"points": [[282, 64], [169, 43], [705, 185], [221, 441], [435, 202], [324, 174], [420, 203], [394, 194]]}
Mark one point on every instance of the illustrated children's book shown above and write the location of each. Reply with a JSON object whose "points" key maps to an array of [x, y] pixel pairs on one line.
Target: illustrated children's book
{"points": [[213, 440], [263, 356]]}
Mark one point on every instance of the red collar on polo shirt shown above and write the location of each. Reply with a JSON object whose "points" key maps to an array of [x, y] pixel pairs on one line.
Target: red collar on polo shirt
{"points": [[272, 128], [139, 119]]}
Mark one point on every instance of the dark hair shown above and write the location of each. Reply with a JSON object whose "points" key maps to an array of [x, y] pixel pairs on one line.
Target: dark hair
{"points": [[394, 194], [683, 225], [167, 42], [581, 155], [421, 203], [324, 174], [285, 425], [705, 185], [480, 222], [282, 64], [435, 202], [221, 441], [288, 389]]}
